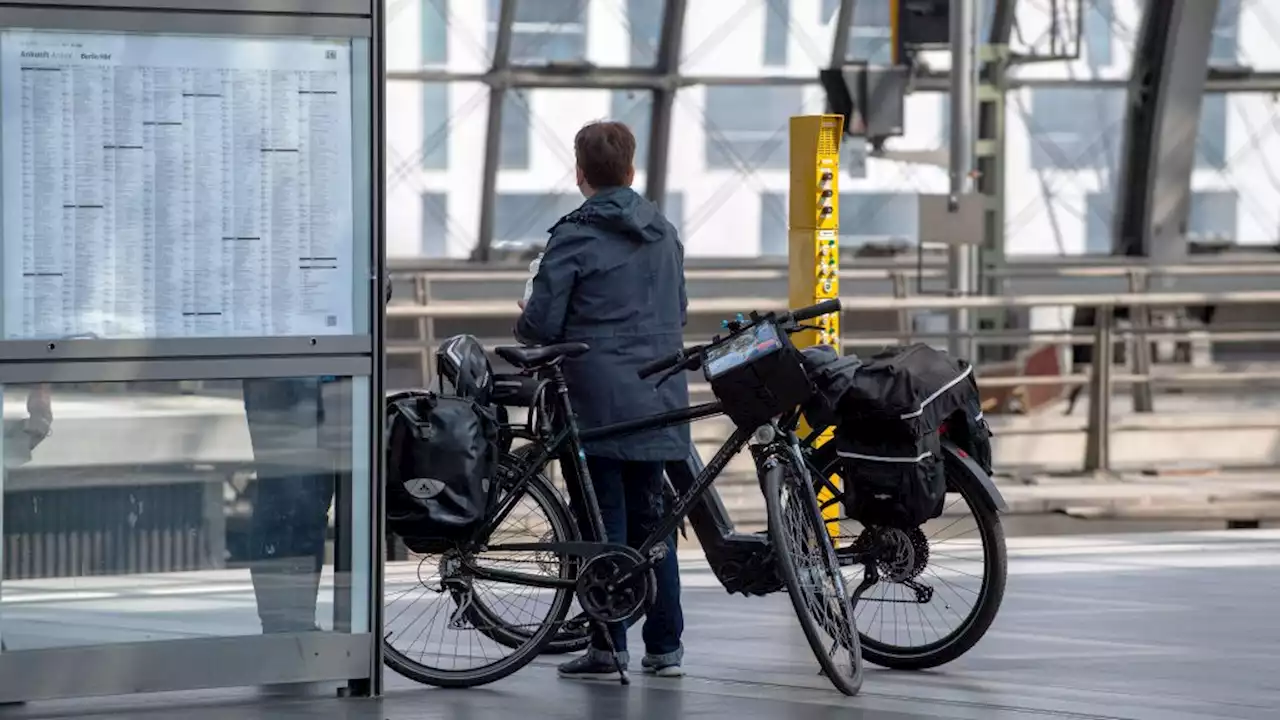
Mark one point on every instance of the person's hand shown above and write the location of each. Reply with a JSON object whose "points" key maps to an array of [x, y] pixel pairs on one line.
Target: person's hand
{"points": [[520, 303]]}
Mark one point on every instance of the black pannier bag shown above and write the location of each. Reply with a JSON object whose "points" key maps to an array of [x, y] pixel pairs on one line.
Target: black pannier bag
{"points": [[890, 411], [893, 483], [756, 374], [442, 454], [831, 375], [968, 429], [914, 386]]}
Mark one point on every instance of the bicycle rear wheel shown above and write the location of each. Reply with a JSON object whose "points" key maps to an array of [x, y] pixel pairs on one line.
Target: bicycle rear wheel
{"points": [[574, 634], [807, 563], [960, 556], [443, 622]]}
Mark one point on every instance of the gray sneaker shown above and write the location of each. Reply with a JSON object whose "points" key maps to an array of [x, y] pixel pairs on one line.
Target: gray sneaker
{"points": [[667, 665], [596, 665]]}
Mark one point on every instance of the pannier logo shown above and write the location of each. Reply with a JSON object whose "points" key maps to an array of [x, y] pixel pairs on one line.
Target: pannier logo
{"points": [[423, 488]]}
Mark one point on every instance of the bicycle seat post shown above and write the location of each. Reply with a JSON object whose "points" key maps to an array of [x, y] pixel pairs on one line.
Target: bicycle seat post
{"points": [[591, 511]]}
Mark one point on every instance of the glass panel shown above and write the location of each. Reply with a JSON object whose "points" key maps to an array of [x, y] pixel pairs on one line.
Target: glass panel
{"points": [[172, 186], [773, 224], [644, 28], [1211, 139], [435, 146], [434, 22], [1064, 145], [1257, 29], [1099, 21], [1251, 143], [882, 218], [545, 30], [514, 145], [635, 108], [1225, 50], [674, 211], [523, 219], [534, 195], [1075, 127], [746, 126], [141, 511], [1111, 29], [436, 34], [777, 31], [435, 126], [734, 173], [1212, 217], [435, 221], [1099, 219]]}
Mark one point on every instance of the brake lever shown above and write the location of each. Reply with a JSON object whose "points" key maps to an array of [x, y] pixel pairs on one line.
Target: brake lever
{"points": [[668, 375]]}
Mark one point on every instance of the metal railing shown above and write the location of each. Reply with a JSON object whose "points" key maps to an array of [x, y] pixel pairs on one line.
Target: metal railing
{"points": [[1101, 378]]}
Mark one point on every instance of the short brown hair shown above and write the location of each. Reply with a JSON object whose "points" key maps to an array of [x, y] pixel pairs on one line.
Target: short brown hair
{"points": [[605, 151]]}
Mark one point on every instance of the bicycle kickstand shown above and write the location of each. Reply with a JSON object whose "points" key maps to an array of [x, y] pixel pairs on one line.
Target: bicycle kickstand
{"points": [[613, 653]]}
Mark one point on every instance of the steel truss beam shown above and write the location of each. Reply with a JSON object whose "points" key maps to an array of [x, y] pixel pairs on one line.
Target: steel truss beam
{"points": [[589, 78], [1153, 193], [664, 99], [493, 130]]}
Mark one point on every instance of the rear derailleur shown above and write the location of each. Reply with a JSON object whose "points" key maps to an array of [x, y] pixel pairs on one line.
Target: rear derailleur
{"points": [[894, 556]]}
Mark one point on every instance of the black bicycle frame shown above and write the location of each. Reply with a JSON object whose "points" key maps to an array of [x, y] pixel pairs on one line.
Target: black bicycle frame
{"points": [[566, 443]]}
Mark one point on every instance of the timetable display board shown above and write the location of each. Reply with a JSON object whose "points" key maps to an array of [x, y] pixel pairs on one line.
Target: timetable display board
{"points": [[164, 186]]}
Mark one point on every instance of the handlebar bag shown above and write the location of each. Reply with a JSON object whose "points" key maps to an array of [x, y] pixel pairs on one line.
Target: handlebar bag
{"points": [[442, 454], [756, 374]]}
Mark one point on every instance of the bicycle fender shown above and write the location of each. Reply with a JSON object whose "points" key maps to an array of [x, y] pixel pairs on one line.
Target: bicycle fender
{"points": [[959, 460]]}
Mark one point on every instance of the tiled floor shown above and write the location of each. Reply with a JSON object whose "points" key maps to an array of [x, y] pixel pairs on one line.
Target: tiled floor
{"points": [[1160, 627]]}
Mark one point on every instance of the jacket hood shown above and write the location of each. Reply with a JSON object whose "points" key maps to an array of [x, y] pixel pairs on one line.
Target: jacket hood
{"points": [[624, 211]]}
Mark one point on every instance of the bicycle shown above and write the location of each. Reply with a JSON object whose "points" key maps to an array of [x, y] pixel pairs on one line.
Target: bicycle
{"points": [[913, 567], [613, 583]]}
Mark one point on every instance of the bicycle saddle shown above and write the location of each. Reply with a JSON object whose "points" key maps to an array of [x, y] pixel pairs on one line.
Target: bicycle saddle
{"points": [[527, 357]]}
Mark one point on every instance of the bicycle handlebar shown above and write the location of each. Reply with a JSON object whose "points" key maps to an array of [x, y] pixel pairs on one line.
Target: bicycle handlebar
{"points": [[666, 363], [681, 356]]}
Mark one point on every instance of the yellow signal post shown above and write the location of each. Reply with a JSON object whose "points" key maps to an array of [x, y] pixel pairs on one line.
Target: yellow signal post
{"points": [[813, 224]]}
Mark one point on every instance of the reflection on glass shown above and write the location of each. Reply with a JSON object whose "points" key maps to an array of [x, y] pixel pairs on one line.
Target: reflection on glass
{"points": [[746, 127], [644, 25], [157, 511], [544, 30]]}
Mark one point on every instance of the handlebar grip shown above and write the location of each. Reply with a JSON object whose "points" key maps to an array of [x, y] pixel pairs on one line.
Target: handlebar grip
{"points": [[813, 311], [656, 366]]}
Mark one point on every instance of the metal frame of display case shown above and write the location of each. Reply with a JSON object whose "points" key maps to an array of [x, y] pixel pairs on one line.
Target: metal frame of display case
{"points": [[167, 665]]}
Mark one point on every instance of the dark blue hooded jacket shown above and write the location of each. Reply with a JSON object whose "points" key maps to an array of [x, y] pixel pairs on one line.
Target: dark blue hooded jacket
{"points": [[612, 276]]}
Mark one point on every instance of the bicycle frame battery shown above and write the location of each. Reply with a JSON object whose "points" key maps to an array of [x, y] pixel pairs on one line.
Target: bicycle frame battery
{"points": [[757, 374]]}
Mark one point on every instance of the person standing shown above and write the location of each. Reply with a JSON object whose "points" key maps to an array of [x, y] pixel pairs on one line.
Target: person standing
{"points": [[612, 276]]}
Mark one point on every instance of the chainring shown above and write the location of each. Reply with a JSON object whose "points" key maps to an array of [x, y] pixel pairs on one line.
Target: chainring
{"points": [[604, 599]]}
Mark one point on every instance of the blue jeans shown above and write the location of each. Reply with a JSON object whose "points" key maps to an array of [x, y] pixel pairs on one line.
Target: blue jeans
{"points": [[631, 504], [295, 487]]}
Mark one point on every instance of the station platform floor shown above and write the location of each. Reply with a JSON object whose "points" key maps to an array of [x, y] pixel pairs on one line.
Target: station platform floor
{"points": [[1162, 626]]}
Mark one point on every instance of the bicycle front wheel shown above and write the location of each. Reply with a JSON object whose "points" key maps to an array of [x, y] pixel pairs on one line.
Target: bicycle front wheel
{"points": [[807, 563]]}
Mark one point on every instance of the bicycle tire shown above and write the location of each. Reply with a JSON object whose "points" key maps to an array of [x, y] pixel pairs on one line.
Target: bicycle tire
{"points": [[990, 595], [545, 495], [782, 476]]}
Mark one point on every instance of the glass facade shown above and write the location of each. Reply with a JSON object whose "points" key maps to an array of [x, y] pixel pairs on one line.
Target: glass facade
{"points": [[151, 511], [728, 150]]}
